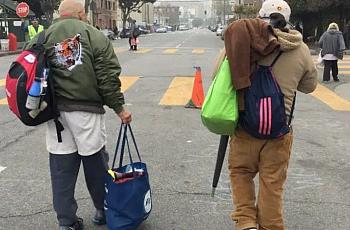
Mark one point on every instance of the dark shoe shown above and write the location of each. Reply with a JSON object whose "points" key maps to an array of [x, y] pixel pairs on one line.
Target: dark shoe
{"points": [[78, 225], [99, 218], [336, 79]]}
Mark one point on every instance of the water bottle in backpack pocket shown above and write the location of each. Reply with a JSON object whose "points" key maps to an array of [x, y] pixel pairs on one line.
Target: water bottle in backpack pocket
{"points": [[264, 116]]}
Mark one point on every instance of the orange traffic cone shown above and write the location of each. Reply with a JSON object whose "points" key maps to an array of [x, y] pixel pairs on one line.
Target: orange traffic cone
{"points": [[197, 99]]}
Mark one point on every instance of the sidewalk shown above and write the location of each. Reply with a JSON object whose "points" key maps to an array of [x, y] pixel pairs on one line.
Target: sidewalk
{"points": [[6, 53]]}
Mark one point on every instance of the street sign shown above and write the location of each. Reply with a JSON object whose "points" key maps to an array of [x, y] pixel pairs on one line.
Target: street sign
{"points": [[22, 10]]}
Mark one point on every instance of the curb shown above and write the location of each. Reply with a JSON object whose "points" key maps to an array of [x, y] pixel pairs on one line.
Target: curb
{"points": [[10, 53]]}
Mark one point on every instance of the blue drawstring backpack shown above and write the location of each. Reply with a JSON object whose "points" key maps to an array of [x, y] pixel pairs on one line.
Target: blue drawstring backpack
{"points": [[128, 200], [264, 115]]}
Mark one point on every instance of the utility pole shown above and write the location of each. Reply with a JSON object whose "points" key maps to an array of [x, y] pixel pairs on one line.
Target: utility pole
{"points": [[224, 13]]}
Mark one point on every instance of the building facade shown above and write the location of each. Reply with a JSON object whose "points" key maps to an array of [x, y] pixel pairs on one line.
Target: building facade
{"points": [[167, 15], [145, 16], [105, 14]]}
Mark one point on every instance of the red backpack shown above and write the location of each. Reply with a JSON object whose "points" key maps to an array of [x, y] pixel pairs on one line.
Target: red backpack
{"points": [[29, 88]]}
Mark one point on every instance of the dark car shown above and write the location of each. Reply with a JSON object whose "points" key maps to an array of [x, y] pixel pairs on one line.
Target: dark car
{"points": [[125, 33], [144, 30]]}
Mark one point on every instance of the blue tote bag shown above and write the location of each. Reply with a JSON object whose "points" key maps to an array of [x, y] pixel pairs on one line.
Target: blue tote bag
{"points": [[128, 200]]}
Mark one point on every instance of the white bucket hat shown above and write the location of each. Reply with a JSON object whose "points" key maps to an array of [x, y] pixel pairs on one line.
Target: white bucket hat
{"points": [[275, 6]]}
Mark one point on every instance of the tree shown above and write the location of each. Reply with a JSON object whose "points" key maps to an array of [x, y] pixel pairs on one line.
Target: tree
{"points": [[128, 6], [197, 22], [49, 7], [317, 14], [246, 11]]}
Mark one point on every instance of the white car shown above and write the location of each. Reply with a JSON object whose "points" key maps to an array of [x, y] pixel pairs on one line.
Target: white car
{"points": [[161, 30], [219, 31]]}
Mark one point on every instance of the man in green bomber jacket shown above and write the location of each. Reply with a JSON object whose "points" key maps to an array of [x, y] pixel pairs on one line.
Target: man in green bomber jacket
{"points": [[85, 70]]}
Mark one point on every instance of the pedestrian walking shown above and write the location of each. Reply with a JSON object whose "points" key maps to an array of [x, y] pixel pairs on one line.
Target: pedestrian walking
{"points": [[86, 73], [35, 28], [255, 46], [116, 32], [332, 45]]}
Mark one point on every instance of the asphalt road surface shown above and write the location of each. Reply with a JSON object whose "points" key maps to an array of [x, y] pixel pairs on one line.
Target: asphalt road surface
{"points": [[179, 151]]}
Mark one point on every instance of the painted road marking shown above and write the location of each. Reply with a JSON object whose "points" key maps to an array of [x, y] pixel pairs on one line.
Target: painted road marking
{"points": [[330, 98], [142, 50], [3, 101], [198, 51], [127, 82], [2, 168], [2, 82], [179, 91], [169, 51], [344, 72], [120, 50]]}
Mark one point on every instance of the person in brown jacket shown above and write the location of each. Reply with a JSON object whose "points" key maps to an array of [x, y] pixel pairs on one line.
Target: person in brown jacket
{"points": [[294, 71]]}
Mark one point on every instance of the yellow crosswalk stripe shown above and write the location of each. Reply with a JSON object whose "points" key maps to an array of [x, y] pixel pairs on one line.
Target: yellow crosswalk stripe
{"points": [[2, 82], [179, 91], [3, 101], [142, 50], [330, 98], [119, 50], [170, 51], [198, 51], [127, 82]]}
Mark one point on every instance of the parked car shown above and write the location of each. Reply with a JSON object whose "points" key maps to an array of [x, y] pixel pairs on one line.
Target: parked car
{"points": [[125, 33], [161, 30], [169, 28], [214, 28], [222, 34], [183, 27], [109, 34], [219, 30], [144, 30]]}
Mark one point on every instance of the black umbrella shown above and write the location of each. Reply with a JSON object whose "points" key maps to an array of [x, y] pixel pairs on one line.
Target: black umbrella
{"points": [[219, 161]]}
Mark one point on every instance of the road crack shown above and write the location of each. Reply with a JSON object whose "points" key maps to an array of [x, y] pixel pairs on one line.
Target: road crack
{"points": [[47, 209], [9, 143]]}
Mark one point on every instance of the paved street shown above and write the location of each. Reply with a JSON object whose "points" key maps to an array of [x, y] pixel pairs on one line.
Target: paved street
{"points": [[180, 152]]}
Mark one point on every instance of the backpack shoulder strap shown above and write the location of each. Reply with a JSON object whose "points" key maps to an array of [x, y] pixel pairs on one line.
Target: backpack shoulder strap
{"points": [[41, 38], [292, 109], [276, 58]]}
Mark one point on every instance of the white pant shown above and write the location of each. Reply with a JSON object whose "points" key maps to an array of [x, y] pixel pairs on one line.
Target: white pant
{"points": [[83, 132]]}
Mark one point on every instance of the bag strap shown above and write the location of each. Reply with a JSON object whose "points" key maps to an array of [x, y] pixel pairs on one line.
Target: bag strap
{"points": [[133, 139], [117, 146], [276, 58], [41, 38], [292, 109], [121, 142], [56, 113], [128, 127]]}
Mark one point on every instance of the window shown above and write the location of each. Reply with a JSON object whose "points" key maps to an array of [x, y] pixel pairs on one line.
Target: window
{"points": [[109, 5], [101, 4], [114, 6]]}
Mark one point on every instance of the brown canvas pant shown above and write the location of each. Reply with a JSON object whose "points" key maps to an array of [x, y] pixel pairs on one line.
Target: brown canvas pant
{"points": [[249, 156]]}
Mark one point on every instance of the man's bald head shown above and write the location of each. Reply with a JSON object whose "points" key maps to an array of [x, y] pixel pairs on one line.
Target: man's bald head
{"points": [[72, 8]]}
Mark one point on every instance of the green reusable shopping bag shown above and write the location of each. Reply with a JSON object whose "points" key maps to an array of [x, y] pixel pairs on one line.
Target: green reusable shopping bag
{"points": [[220, 108]]}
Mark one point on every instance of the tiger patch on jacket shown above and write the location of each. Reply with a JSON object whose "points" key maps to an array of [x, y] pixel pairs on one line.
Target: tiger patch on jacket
{"points": [[68, 52]]}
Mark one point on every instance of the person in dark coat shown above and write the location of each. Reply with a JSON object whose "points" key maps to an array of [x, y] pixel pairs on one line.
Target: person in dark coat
{"points": [[332, 45]]}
